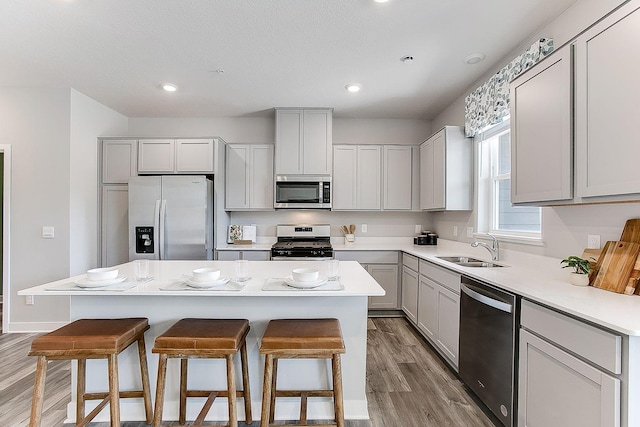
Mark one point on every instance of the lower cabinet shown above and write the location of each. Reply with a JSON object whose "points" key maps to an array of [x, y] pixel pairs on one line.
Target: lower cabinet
{"points": [[383, 267], [233, 255], [114, 225], [410, 293]]}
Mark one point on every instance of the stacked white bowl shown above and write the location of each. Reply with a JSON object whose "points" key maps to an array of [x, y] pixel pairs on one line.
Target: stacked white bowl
{"points": [[304, 274]]}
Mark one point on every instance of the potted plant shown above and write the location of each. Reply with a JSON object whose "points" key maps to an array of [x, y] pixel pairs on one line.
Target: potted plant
{"points": [[581, 267]]}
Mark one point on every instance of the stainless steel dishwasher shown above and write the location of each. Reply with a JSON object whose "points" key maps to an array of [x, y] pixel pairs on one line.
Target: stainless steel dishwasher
{"points": [[489, 322]]}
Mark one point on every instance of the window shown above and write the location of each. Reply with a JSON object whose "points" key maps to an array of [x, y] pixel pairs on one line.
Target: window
{"points": [[496, 215]]}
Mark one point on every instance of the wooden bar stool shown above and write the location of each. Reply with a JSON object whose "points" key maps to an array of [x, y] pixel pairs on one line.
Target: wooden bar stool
{"points": [[208, 339], [301, 339], [92, 339]]}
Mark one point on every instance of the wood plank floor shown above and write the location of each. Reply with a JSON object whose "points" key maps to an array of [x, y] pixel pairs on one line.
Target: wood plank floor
{"points": [[408, 385]]}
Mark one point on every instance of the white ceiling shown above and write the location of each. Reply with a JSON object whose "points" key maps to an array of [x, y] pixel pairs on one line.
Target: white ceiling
{"points": [[274, 53]]}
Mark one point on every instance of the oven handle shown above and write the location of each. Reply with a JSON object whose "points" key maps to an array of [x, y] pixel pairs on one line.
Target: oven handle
{"points": [[302, 258], [502, 306]]}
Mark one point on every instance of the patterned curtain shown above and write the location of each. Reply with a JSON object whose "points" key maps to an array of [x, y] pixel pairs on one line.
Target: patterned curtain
{"points": [[489, 103]]}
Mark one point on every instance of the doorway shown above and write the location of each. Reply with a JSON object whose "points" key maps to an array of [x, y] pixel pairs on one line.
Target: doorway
{"points": [[5, 191]]}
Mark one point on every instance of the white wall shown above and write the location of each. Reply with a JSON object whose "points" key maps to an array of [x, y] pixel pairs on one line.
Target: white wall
{"points": [[89, 119], [564, 229], [35, 122]]}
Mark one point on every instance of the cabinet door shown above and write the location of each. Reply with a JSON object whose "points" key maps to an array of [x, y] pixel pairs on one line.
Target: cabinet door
{"points": [[428, 307], [541, 123], [410, 294], [344, 177], [115, 225], [289, 142], [397, 177], [256, 255], [607, 108], [316, 138], [426, 175], [555, 389], [228, 255], [261, 177], [448, 324], [237, 177], [156, 155], [194, 155], [387, 276], [119, 161], [439, 162], [368, 195]]}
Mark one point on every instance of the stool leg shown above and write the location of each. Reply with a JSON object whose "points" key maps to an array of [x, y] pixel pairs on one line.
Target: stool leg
{"points": [[114, 390], [144, 371], [272, 410], [183, 390], [162, 376], [266, 390], [337, 390], [38, 392], [80, 389], [231, 388], [246, 393]]}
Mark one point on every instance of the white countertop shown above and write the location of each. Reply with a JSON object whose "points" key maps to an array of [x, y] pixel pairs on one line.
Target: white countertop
{"points": [[356, 281]]}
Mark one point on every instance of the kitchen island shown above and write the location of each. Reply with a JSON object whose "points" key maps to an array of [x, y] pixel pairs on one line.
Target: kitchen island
{"points": [[166, 299]]}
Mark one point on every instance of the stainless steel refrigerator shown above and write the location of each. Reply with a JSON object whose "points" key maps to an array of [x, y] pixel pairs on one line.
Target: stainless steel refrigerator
{"points": [[170, 217]]}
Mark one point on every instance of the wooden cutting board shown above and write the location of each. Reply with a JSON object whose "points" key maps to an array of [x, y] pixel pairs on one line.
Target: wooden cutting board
{"points": [[615, 265], [592, 255], [631, 231]]}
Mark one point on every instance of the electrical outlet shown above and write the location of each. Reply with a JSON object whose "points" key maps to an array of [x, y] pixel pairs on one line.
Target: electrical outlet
{"points": [[30, 300], [418, 229], [364, 228], [593, 241], [455, 230], [470, 232]]}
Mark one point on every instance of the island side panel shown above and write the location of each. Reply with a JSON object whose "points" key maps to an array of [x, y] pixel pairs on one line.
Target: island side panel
{"points": [[163, 311]]}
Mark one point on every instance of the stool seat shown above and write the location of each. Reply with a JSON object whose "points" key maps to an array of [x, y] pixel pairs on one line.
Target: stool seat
{"points": [[296, 339], [203, 335], [296, 335], [95, 336], [204, 338], [92, 339]]}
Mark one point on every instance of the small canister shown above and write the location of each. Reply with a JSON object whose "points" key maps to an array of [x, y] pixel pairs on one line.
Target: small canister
{"points": [[432, 239]]}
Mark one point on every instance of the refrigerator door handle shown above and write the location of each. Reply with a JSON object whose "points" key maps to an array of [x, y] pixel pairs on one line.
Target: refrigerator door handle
{"points": [[156, 230], [163, 210]]}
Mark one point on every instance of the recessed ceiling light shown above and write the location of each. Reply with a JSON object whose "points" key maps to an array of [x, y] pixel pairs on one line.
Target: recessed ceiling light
{"points": [[381, 1], [474, 58], [353, 87], [169, 87]]}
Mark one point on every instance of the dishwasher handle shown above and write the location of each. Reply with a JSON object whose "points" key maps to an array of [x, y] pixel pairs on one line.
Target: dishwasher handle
{"points": [[502, 306]]}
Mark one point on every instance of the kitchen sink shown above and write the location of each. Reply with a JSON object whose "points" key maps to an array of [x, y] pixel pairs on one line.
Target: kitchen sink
{"points": [[465, 261]]}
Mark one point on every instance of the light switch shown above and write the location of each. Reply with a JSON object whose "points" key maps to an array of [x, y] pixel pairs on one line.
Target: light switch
{"points": [[48, 232]]}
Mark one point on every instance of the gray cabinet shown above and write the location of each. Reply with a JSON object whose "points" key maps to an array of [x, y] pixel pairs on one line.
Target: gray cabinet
{"points": [[410, 287], [541, 131], [303, 141], [188, 156], [119, 161], [114, 230], [383, 267], [233, 255], [446, 171], [357, 177], [249, 177], [397, 177], [563, 378]]}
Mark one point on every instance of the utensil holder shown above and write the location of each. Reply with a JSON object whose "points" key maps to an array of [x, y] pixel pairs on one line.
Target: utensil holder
{"points": [[349, 239]]}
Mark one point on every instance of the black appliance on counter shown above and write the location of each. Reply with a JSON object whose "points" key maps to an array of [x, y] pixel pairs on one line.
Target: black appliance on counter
{"points": [[302, 243], [426, 238]]}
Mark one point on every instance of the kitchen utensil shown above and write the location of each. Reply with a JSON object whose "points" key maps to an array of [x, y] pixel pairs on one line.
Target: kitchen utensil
{"points": [[345, 230], [86, 283], [615, 265], [321, 280], [352, 229], [631, 231], [592, 255], [632, 284]]}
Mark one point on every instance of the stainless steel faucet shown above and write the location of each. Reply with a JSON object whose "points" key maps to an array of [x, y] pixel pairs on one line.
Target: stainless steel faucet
{"points": [[494, 249]]}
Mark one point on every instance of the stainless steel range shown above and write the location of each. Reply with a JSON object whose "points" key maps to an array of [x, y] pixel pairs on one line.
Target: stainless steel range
{"points": [[302, 242]]}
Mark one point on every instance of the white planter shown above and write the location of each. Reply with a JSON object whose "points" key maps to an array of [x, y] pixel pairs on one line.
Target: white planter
{"points": [[579, 279]]}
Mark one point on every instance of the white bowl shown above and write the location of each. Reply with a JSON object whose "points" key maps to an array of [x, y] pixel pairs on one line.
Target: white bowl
{"points": [[304, 274], [206, 274], [98, 274]]}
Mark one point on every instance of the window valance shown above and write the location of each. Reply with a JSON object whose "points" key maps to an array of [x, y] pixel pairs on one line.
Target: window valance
{"points": [[489, 103]]}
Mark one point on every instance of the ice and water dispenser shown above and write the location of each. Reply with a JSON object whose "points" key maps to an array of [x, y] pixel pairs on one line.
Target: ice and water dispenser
{"points": [[144, 240]]}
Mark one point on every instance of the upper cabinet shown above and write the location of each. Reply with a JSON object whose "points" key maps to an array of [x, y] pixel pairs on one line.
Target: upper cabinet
{"points": [[119, 161], [541, 131], [303, 141], [176, 156], [249, 177], [446, 171], [397, 177], [607, 108]]}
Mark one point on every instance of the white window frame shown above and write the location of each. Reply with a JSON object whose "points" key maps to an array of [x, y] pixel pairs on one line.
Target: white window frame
{"points": [[487, 184]]}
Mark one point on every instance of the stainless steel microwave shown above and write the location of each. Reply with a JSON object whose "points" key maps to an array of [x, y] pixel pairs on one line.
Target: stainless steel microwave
{"points": [[302, 192]]}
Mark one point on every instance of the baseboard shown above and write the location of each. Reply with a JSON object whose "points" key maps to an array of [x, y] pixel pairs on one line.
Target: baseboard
{"points": [[32, 327]]}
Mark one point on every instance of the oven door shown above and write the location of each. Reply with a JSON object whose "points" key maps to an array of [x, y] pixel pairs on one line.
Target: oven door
{"points": [[302, 192]]}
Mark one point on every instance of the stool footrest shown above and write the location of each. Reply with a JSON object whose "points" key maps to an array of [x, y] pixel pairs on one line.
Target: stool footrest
{"points": [[308, 393], [206, 393], [122, 394]]}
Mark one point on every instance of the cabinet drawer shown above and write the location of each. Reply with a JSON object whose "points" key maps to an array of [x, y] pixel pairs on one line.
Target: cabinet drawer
{"points": [[368, 257], [446, 278], [410, 261], [594, 344]]}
